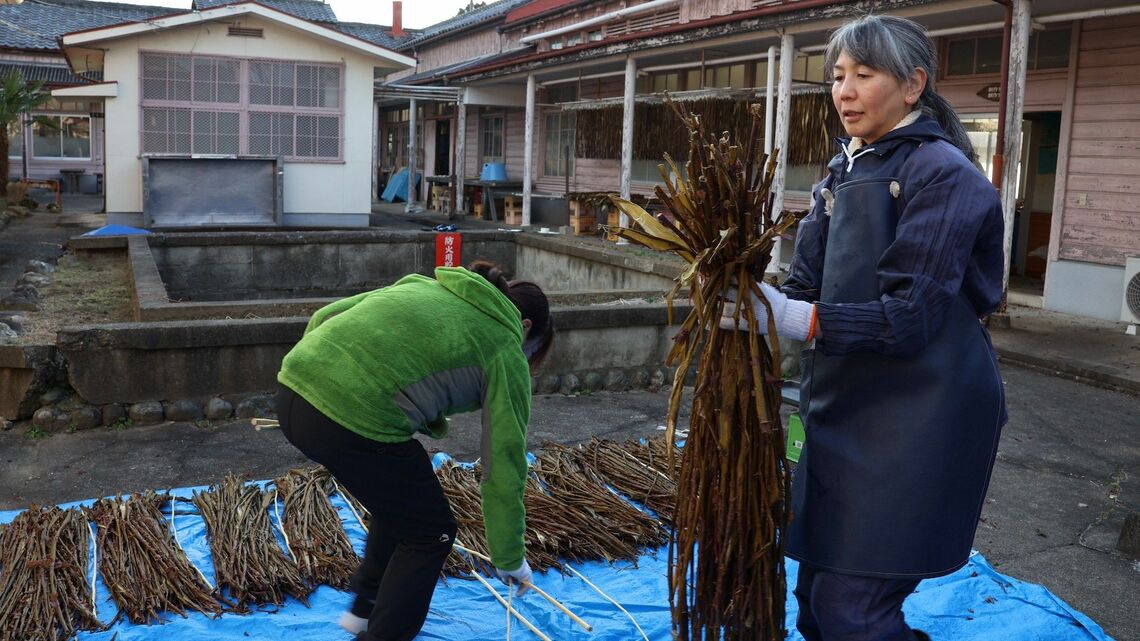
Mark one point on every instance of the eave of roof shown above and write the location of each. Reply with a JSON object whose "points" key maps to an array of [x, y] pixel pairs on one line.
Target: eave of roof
{"points": [[717, 21]]}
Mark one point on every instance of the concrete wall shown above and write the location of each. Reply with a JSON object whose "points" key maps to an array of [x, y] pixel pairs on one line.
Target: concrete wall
{"points": [[559, 267], [328, 188], [1084, 289], [134, 362]]}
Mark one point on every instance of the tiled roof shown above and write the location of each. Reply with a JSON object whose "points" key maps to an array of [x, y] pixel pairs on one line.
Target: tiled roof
{"points": [[454, 68], [34, 25], [536, 7], [50, 74], [491, 12], [374, 33], [314, 10]]}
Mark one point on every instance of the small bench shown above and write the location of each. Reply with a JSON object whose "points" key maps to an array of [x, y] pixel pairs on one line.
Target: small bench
{"points": [[46, 183]]}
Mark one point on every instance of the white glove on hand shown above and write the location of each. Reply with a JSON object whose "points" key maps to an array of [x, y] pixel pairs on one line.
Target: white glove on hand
{"points": [[521, 576], [793, 317]]}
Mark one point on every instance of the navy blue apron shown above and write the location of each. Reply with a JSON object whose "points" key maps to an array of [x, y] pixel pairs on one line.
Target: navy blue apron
{"points": [[898, 454]]}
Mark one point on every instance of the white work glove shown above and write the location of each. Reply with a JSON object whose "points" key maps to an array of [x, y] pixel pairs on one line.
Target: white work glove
{"points": [[521, 576], [793, 317]]}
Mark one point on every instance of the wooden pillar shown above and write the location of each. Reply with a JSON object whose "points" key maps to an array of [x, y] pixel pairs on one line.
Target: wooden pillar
{"points": [[411, 155], [769, 104], [375, 151], [783, 120], [460, 149], [627, 133], [528, 148], [1015, 109]]}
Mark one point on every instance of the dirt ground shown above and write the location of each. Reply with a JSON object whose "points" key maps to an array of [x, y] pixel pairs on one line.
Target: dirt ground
{"points": [[85, 288]]}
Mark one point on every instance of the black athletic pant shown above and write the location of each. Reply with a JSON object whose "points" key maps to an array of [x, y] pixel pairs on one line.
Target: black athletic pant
{"points": [[412, 528]]}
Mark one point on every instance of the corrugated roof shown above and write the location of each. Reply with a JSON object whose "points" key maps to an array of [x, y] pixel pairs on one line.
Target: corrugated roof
{"points": [[489, 13], [374, 33], [50, 74], [34, 25], [314, 10]]}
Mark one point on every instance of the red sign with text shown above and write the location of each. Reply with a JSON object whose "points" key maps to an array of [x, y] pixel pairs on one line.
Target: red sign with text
{"points": [[447, 249]]}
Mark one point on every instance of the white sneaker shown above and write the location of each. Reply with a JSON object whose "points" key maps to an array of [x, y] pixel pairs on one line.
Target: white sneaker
{"points": [[352, 623]]}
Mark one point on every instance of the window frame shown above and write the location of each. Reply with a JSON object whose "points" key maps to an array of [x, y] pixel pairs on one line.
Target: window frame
{"points": [[60, 116], [484, 118], [564, 131], [258, 127]]}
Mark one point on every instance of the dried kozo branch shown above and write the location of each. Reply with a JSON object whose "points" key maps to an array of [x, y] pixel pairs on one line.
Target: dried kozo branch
{"points": [[312, 526]]}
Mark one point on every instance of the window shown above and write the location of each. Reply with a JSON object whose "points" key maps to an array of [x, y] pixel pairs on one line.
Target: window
{"points": [[1048, 49], [395, 137], [725, 76], [69, 138], [491, 139], [200, 105], [558, 147], [982, 131], [15, 140], [567, 92]]}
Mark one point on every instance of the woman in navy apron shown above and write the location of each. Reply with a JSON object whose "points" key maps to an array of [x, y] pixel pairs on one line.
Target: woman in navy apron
{"points": [[899, 258]]}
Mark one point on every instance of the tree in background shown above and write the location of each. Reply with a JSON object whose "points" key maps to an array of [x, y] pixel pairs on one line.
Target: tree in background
{"points": [[17, 98], [471, 6]]}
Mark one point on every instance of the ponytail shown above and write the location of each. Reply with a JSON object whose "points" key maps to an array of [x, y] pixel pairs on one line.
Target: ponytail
{"points": [[531, 303]]}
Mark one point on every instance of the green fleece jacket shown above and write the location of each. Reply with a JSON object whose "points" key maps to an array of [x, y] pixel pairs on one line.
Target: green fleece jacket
{"points": [[390, 362]]}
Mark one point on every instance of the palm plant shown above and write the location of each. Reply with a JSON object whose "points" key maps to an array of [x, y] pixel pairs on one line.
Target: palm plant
{"points": [[17, 98]]}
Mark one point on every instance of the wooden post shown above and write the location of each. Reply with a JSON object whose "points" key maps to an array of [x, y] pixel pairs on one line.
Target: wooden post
{"points": [[411, 155], [528, 148], [460, 149], [375, 151], [1019, 45], [783, 120], [627, 134]]}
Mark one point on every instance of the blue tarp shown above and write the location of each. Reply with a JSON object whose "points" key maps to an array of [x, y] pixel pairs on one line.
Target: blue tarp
{"points": [[974, 604], [397, 187], [116, 230]]}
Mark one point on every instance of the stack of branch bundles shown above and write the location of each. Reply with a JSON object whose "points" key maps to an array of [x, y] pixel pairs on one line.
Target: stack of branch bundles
{"points": [[727, 575], [46, 578], [45, 592], [571, 513]]}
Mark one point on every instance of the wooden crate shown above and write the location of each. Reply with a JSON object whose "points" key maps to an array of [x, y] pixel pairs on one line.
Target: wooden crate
{"points": [[584, 225], [512, 215], [614, 222]]}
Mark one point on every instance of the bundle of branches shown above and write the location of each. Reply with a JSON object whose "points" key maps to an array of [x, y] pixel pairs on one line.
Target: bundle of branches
{"points": [[461, 487], [618, 528], [44, 588], [631, 476], [727, 577], [312, 528], [659, 454], [142, 565], [248, 561]]}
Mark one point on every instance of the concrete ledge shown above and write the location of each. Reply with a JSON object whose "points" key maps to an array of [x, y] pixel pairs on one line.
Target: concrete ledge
{"points": [[26, 372]]}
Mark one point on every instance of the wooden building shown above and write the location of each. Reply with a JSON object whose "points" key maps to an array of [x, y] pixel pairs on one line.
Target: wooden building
{"points": [[533, 79]]}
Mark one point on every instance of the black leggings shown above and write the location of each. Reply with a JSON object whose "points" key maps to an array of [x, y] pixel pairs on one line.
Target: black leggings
{"points": [[412, 527]]}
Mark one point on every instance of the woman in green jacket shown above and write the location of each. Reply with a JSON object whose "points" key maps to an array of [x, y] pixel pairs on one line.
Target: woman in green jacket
{"points": [[374, 369]]}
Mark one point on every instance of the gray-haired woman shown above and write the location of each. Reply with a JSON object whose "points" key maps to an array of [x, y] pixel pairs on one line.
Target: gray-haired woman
{"points": [[901, 396]]}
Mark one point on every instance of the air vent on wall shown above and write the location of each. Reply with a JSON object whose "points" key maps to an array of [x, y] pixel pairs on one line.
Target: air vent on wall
{"points": [[245, 32]]}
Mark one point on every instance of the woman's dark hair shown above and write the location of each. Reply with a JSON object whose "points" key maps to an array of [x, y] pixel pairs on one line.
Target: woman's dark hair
{"points": [[531, 303], [899, 46]]}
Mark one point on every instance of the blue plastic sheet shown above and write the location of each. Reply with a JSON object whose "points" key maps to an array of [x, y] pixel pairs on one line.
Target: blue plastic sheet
{"points": [[974, 604], [397, 187]]}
